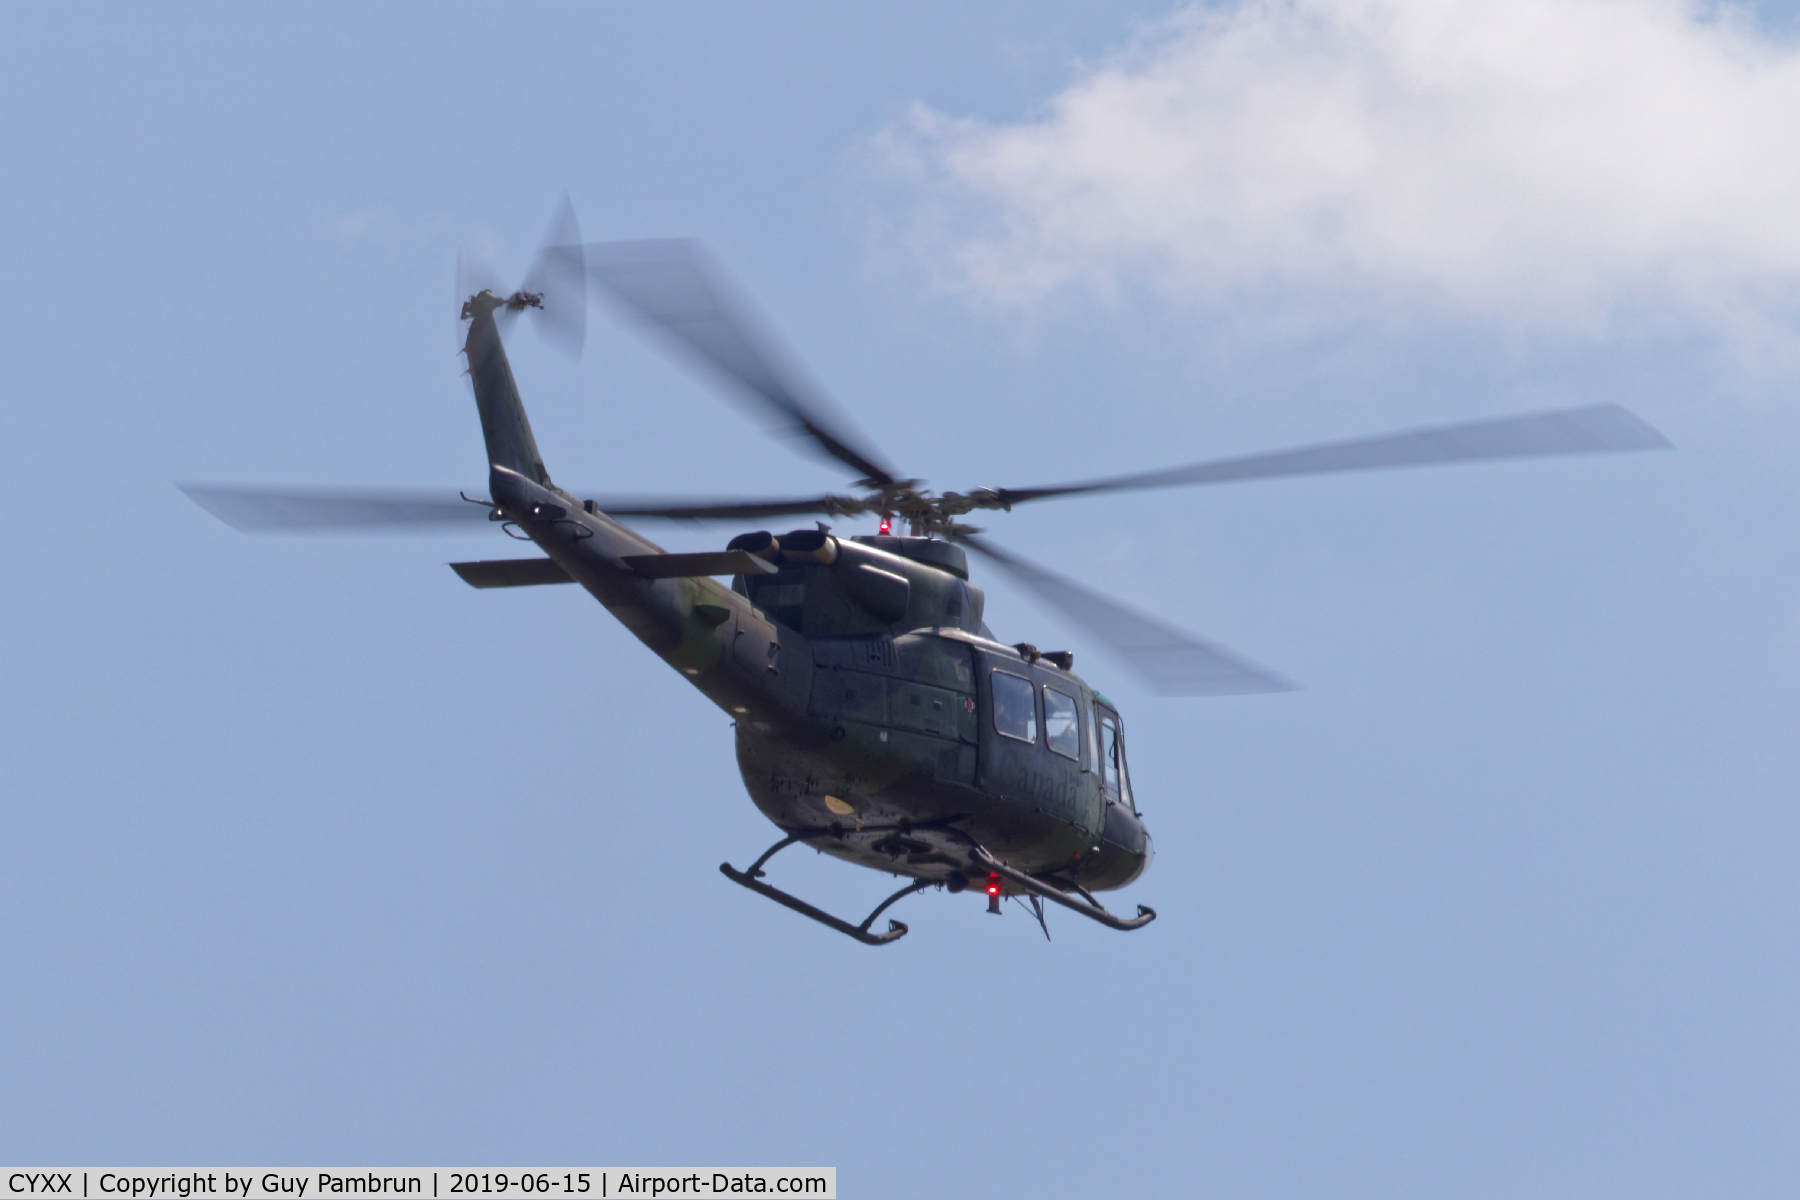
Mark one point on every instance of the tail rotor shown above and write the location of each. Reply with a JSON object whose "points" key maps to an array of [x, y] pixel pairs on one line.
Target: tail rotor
{"points": [[555, 288]]}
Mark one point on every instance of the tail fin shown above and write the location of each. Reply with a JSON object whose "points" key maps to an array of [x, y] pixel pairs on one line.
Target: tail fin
{"points": [[510, 443]]}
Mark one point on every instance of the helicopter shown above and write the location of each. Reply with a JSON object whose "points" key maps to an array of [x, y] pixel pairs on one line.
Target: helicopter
{"points": [[878, 718]]}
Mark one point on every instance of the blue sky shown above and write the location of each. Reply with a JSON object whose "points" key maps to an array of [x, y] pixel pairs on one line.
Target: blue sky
{"points": [[313, 854]]}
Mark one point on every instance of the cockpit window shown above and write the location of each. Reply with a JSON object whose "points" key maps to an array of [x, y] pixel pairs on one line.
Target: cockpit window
{"points": [[1109, 754], [1113, 776], [1062, 724], [1093, 746], [1015, 708]]}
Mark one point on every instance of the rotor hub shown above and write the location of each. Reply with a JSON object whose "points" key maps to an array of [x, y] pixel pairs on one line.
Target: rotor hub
{"points": [[928, 514], [485, 302]]}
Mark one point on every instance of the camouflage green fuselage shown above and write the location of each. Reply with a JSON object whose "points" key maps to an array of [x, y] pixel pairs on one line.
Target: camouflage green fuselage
{"points": [[860, 678]]}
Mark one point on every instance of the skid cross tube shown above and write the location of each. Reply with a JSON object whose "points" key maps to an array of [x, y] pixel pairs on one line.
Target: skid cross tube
{"points": [[752, 880], [1091, 909]]}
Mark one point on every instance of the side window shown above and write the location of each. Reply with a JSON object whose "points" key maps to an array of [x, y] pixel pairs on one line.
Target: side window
{"points": [[1114, 777], [1093, 743], [1125, 780], [1062, 724], [1015, 708], [1109, 754]]}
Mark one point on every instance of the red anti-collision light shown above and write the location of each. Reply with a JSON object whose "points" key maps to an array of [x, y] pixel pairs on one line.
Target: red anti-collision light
{"points": [[886, 525]]}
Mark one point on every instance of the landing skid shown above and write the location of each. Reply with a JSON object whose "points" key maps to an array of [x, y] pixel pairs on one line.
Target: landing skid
{"points": [[1088, 907], [980, 859], [752, 879]]}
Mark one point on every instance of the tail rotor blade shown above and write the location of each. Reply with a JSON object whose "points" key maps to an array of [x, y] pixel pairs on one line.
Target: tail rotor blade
{"points": [[1172, 662], [473, 276], [559, 275]]}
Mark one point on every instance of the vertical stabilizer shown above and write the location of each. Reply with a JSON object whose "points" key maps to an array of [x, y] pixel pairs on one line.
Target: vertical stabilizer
{"points": [[504, 425]]}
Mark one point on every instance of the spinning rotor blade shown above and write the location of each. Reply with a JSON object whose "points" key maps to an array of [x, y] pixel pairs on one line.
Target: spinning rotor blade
{"points": [[726, 509], [669, 286], [1173, 662], [295, 510], [557, 281], [559, 275], [377, 510], [475, 275], [1598, 429]]}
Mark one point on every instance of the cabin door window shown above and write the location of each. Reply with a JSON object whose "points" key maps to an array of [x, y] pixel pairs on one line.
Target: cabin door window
{"points": [[1062, 724], [1015, 707]]}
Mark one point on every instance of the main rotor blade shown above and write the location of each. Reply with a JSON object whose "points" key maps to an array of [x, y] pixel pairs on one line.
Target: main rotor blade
{"points": [[670, 287], [559, 275], [675, 508], [1174, 663], [374, 510], [296, 510], [1599, 429]]}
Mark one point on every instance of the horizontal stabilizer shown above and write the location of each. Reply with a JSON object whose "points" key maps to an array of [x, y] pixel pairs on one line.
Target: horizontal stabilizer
{"points": [[511, 572], [710, 562]]}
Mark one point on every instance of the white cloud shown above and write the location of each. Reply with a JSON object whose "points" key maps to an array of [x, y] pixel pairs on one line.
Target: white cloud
{"points": [[1537, 160]]}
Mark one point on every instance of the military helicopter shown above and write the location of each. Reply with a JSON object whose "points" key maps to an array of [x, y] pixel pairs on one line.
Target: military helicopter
{"points": [[878, 717]]}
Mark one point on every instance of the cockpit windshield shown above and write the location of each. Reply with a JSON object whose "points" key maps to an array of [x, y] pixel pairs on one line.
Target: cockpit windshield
{"points": [[1115, 779]]}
